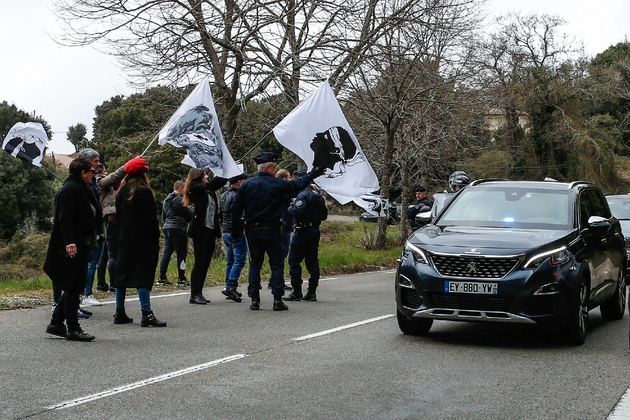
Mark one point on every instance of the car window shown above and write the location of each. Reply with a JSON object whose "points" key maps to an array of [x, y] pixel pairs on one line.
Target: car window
{"points": [[592, 204], [620, 208], [510, 207]]}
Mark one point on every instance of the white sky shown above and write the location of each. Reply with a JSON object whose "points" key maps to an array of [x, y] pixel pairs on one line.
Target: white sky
{"points": [[64, 84]]}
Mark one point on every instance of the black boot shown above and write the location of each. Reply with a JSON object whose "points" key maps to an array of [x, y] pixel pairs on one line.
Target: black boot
{"points": [[255, 301], [149, 320], [278, 304], [310, 295], [120, 317], [295, 295]]}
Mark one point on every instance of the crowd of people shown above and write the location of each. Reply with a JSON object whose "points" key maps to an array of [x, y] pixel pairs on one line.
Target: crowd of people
{"points": [[108, 222]]}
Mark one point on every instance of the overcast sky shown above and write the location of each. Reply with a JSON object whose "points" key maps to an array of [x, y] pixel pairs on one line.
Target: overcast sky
{"points": [[64, 84]]}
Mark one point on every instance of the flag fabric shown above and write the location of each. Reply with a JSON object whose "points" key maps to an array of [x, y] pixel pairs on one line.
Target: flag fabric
{"points": [[318, 132], [26, 141], [195, 127]]}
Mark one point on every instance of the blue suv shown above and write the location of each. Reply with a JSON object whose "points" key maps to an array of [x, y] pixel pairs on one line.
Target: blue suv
{"points": [[500, 251]]}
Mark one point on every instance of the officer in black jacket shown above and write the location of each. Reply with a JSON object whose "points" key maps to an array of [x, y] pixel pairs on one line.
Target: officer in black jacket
{"points": [[261, 200], [423, 201], [308, 210]]}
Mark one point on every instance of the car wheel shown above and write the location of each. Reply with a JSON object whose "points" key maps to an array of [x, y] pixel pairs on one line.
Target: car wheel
{"points": [[578, 318], [616, 306], [413, 326]]}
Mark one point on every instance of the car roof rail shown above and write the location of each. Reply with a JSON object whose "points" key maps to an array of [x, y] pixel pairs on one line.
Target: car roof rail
{"points": [[575, 183], [481, 181]]}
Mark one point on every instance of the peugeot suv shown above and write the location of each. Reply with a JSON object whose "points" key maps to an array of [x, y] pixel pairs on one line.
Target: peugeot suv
{"points": [[500, 251]]}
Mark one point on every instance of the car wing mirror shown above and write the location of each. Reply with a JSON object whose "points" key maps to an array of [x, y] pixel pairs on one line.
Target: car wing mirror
{"points": [[598, 224], [424, 216]]}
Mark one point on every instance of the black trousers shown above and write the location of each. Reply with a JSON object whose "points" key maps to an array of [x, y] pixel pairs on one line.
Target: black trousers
{"points": [[175, 240], [261, 240], [67, 309], [203, 244], [304, 247]]}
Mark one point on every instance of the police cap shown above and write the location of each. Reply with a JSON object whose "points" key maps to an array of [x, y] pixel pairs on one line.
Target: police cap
{"points": [[236, 178], [265, 157], [421, 188]]}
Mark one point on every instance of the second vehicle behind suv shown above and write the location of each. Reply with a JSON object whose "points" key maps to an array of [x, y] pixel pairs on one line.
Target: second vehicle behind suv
{"points": [[541, 253]]}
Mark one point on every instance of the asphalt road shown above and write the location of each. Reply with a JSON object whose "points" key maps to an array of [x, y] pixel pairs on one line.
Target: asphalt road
{"points": [[342, 357]]}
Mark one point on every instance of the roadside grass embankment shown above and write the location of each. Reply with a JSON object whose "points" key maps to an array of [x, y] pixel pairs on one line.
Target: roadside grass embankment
{"points": [[345, 248]]}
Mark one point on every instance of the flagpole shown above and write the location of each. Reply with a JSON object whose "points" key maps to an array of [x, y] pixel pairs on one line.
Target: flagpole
{"points": [[151, 144], [250, 150], [51, 172]]}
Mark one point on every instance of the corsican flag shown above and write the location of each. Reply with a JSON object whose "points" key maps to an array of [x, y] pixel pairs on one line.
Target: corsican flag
{"points": [[318, 132], [26, 141], [195, 127]]}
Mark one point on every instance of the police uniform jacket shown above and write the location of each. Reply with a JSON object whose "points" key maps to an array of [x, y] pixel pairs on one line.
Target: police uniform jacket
{"points": [[262, 199], [308, 208]]}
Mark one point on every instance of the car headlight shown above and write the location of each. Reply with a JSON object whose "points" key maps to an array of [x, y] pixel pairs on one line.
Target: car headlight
{"points": [[556, 256], [418, 254]]}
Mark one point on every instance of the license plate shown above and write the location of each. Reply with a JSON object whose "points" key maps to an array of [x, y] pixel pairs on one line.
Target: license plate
{"points": [[471, 287]]}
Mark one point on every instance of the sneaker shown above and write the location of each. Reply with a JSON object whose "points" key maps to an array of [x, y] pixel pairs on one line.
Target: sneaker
{"points": [[286, 286], [90, 301], [232, 294], [58, 330], [79, 335], [102, 288], [81, 315], [183, 283], [163, 282], [111, 289], [85, 312]]}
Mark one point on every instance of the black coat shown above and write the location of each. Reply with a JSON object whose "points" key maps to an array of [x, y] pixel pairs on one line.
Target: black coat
{"points": [[76, 221], [200, 193], [139, 240]]}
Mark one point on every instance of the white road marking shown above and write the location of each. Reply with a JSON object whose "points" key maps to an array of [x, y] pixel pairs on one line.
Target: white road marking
{"points": [[128, 299], [145, 382], [621, 411], [343, 327]]}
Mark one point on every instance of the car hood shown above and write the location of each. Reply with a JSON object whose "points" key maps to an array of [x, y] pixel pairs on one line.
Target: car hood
{"points": [[496, 241]]}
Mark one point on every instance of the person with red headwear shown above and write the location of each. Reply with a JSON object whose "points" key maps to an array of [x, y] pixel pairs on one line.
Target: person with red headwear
{"points": [[138, 244]]}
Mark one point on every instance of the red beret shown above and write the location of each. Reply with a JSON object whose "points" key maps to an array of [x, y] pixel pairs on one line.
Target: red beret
{"points": [[136, 166]]}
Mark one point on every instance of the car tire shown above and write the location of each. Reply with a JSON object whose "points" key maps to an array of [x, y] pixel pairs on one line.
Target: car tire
{"points": [[615, 307], [418, 326], [577, 325]]}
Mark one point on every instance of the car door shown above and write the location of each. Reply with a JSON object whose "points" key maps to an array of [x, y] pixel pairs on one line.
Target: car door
{"points": [[601, 245]]}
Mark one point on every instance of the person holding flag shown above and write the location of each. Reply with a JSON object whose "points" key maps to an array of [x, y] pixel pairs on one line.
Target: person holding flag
{"points": [[261, 200]]}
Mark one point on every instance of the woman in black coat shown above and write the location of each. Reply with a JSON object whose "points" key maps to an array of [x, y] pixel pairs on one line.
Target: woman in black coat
{"points": [[76, 221], [204, 228], [138, 244]]}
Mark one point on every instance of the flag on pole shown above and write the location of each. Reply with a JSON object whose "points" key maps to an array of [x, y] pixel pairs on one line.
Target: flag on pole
{"points": [[195, 127], [318, 132], [26, 141]]}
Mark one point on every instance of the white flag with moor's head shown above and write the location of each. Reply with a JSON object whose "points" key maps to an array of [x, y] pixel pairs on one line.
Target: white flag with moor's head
{"points": [[26, 141], [318, 132], [195, 127]]}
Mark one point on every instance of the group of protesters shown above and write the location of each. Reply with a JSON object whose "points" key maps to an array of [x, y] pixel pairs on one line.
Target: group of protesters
{"points": [[111, 220]]}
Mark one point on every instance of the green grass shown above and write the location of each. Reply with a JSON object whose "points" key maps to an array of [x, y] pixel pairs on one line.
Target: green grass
{"points": [[340, 252]]}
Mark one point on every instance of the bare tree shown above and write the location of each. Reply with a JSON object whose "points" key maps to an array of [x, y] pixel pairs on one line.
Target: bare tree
{"points": [[249, 47], [409, 94]]}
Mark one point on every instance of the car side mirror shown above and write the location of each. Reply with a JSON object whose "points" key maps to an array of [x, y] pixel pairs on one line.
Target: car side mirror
{"points": [[598, 224], [424, 216]]}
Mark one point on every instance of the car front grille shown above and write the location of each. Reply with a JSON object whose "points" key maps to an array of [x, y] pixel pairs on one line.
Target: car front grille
{"points": [[473, 267], [482, 303]]}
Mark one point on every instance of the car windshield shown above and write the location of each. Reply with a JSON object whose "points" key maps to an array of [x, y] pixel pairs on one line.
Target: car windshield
{"points": [[620, 208], [509, 207]]}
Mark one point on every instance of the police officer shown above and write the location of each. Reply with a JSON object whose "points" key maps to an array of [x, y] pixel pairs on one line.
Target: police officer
{"points": [[261, 200], [423, 201], [308, 210]]}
